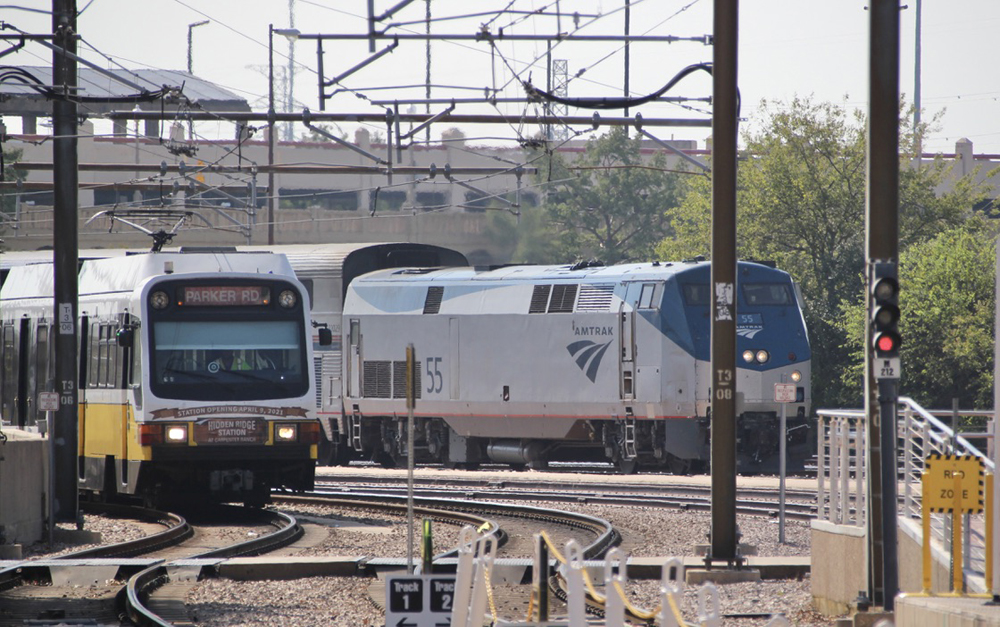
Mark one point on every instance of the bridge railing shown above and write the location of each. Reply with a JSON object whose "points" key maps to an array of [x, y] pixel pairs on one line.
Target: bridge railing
{"points": [[842, 466]]}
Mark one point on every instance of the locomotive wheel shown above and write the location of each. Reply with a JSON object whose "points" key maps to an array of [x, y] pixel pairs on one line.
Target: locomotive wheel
{"points": [[627, 466], [334, 453], [678, 466], [461, 465]]}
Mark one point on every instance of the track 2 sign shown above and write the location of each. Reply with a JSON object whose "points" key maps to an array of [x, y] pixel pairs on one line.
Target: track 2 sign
{"points": [[419, 600]]}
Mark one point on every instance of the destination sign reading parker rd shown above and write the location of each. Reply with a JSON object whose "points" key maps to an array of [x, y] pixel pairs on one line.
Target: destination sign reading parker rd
{"points": [[225, 296]]}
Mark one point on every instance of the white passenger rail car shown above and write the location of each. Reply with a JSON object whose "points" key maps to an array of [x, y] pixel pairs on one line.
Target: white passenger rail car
{"points": [[196, 372]]}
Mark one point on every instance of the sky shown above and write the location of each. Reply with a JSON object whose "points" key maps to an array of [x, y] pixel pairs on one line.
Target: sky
{"points": [[787, 49]]}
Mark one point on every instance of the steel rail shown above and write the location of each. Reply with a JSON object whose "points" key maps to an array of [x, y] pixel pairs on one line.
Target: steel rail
{"points": [[177, 530], [141, 585], [438, 515], [607, 535], [801, 511]]}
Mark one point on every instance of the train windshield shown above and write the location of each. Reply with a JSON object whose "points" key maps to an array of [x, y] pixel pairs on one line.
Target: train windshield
{"points": [[767, 294], [755, 294], [228, 360]]}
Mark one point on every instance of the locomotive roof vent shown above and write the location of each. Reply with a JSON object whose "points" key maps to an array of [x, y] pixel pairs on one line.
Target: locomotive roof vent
{"points": [[208, 249], [432, 302]]}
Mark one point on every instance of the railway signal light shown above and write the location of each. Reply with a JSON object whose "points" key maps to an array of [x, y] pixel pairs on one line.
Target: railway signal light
{"points": [[885, 310]]}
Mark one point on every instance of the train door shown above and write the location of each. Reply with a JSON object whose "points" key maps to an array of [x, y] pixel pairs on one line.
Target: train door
{"points": [[626, 331], [40, 376], [23, 399], [8, 378], [354, 359], [649, 352]]}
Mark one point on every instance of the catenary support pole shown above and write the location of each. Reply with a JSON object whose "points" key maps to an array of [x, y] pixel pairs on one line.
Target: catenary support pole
{"points": [[723, 403], [64, 242]]}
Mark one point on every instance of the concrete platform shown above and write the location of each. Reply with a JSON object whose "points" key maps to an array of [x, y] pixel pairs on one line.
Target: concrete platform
{"points": [[951, 611], [23, 489]]}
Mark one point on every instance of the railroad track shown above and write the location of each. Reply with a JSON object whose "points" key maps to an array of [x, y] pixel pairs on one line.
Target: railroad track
{"points": [[464, 511], [799, 504], [87, 585]]}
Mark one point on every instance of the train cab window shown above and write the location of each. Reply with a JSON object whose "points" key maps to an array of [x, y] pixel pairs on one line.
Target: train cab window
{"points": [[646, 296], [234, 360], [308, 284], [767, 294], [697, 294]]}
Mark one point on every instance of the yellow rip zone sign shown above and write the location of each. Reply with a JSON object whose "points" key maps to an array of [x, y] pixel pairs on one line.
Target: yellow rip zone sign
{"points": [[953, 483]]}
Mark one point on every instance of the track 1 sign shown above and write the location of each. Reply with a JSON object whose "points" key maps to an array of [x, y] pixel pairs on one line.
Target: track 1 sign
{"points": [[419, 600]]}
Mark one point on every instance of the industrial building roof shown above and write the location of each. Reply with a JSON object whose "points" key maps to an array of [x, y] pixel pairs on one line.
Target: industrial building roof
{"points": [[20, 99]]}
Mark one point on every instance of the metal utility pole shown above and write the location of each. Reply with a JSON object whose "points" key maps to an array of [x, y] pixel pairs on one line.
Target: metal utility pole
{"points": [[290, 96], [270, 134], [918, 9], [628, 28], [63, 433], [882, 249], [191, 28], [723, 425]]}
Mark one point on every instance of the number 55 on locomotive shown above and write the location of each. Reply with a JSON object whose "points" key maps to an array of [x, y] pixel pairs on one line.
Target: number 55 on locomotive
{"points": [[195, 372]]}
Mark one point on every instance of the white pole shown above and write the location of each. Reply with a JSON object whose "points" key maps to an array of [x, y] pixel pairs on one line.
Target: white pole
{"points": [[410, 396], [782, 454], [995, 584], [52, 478]]}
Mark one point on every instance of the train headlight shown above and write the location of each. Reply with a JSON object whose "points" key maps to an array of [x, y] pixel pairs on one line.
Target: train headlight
{"points": [[763, 356], [285, 433], [177, 433], [287, 299], [796, 376], [159, 300], [748, 356]]}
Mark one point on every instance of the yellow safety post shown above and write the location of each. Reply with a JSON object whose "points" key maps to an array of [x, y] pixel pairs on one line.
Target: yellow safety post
{"points": [[925, 517], [956, 536], [989, 531]]}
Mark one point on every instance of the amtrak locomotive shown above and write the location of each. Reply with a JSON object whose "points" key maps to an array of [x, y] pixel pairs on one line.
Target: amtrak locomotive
{"points": [[528, 364]]}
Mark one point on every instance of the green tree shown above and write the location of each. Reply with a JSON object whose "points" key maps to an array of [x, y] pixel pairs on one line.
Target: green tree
{"points": [[947, 304], [610, 203], [801, 203]]}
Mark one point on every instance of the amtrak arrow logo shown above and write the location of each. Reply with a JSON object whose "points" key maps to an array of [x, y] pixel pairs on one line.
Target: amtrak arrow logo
{"points": [[588, 356]]}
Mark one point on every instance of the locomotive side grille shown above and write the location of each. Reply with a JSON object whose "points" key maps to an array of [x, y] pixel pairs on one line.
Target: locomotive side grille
{"points": [[432, 302], [539, 299], [595, 297], [563, 297], [377, 379], [399, 379], [318, 362]]}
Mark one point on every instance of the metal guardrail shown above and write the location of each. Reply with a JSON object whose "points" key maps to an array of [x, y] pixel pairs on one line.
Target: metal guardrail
{"points": [[842, 466]]}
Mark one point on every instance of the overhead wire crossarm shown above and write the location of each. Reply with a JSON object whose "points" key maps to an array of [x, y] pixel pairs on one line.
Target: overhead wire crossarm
{"points": [[416, 118], [487, 36]]}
